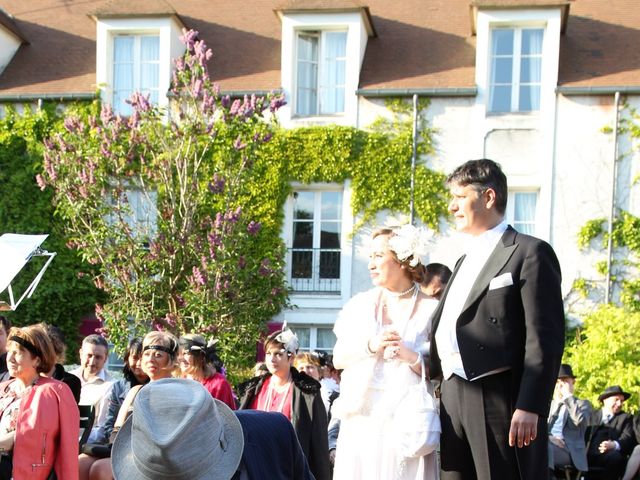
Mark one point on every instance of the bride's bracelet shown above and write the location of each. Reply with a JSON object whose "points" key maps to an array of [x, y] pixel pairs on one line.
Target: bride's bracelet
{"points": [[417, 362]]}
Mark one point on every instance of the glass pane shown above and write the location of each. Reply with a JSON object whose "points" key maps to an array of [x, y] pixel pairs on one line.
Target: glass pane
{"points": [[119, 102], [525, 206], [123, 76], [501, 99], [531, 70], [123, 49], [303, 205], [502, 42], [329, 264], [307, 75], [150, 49], [502, 70], [301, 263], [302, 235], [532, 41], [149, 77], [336, 44], [326, 339], [308, 47], [330, 235], [529, 98], [304, 337], [331, 205]]}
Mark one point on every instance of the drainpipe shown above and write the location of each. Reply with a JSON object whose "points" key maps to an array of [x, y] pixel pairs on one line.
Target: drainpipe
{"points": [[607, 293], [413, 156]]}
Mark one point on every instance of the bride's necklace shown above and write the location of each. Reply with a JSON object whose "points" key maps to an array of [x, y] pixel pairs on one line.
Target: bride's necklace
{"points": [[401, 294]]}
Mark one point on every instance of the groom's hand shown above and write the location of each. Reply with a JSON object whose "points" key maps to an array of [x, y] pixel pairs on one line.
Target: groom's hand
{"points": [[524, 428]]}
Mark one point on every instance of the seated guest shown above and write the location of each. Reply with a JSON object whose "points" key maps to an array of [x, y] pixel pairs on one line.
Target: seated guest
{"points": [[39, 419], [612, 437], [159, 356], [296, 396], [568, 421], [199, 361], [133, 375], [435, 280], [308, 363], [200, 438], [96, 382], [633, 465], [58, 372], [5, 326]]}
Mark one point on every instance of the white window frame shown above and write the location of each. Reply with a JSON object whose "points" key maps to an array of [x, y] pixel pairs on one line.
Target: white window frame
{"points": [[320, 285], [313, 337], [321, 65], [517, 57], [305, 300], [511, 210], [550, 19], [137, 66], [168, 29], [358, 31]]}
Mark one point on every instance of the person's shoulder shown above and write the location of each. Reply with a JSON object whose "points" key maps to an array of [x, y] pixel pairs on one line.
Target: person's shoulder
{"points": [[250, 384], [305, 383]]}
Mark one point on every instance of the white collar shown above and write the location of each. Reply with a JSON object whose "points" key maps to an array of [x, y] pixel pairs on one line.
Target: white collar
{"points": [[474, 243]]}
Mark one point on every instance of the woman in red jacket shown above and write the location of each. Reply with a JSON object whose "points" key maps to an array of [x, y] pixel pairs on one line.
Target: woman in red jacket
{"points": [[39, 419], [199, 361]]}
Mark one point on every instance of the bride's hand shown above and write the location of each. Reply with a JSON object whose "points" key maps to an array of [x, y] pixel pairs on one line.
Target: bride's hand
{"points": [[389, 338]]}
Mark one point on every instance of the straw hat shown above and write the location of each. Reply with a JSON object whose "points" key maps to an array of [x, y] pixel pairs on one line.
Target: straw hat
{"points": [[177, 431]]}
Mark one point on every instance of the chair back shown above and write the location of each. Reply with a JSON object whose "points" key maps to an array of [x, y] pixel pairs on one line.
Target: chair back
{"points": [[87, 417]]}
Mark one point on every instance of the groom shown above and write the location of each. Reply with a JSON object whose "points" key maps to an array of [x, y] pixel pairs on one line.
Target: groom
{"points": [[497, 338]]}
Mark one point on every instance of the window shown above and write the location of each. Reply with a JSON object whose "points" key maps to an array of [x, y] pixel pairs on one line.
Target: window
{"points": [[139, 212], [315, 248], [321, 68], [315, 338], [521, 211], [515, 69], [136, 67]]}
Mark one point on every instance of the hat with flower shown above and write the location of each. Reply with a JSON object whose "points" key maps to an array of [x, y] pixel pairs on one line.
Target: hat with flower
{"points": [[411, 243]]}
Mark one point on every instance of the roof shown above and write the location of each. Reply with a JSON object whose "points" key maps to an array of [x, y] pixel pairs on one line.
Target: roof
{"points": [[419, 44], [7, 22]]}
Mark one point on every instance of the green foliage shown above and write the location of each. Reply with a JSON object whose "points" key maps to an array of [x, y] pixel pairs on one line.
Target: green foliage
{"points": [[581, 286], [590, 230], [606, 353], [203, 265], [66, 292]]}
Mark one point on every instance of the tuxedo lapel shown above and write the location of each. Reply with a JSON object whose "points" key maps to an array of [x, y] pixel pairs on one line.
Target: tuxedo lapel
{"points": [[437, 313], [498, 258]]}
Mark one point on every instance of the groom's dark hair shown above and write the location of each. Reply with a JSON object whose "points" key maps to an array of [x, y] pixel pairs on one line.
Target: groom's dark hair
{"points": [[482, 174]]}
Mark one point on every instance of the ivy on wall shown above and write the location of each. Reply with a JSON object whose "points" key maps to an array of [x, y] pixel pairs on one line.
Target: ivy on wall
{"points": [[66, 292], [377, 161]]}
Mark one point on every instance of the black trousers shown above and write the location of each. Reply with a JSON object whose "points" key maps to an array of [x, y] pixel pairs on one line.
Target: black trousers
{"points": [[476, 417]]}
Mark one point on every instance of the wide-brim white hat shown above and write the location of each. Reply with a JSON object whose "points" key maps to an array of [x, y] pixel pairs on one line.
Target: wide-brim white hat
{"points": [[177, 431]]}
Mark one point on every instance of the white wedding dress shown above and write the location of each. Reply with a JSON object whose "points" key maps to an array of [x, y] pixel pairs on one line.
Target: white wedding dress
{"points": [[370, 390]]}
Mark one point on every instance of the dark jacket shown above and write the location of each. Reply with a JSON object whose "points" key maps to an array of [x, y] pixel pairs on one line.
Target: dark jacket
{"points": [[516, 324], [271, 448], [73, 382], [308, 416], [619, 428]]}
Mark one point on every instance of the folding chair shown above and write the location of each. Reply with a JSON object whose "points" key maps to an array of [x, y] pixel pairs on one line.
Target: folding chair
{"points": [[87, 417]]}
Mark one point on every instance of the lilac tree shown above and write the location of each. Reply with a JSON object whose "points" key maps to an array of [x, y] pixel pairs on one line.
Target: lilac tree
{"points": [[162, 202]]}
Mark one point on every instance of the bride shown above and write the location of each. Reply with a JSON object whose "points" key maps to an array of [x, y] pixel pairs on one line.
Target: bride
{"points": [[380, 336]]}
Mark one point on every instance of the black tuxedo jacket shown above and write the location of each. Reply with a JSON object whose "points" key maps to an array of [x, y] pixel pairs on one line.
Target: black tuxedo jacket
{"points": [[518, 326]]}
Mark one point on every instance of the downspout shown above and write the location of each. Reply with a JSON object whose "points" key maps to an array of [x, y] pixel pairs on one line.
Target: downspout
{"points": [[413, 157], [607, 294]]}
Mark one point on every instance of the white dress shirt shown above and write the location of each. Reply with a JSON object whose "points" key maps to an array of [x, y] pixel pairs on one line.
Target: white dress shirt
{"points": [[478, 250]]}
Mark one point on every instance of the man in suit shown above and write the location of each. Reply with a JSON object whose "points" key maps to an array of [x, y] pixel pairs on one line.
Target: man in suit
{"points": [[569, 418], [497, 338], [612, 437]]}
